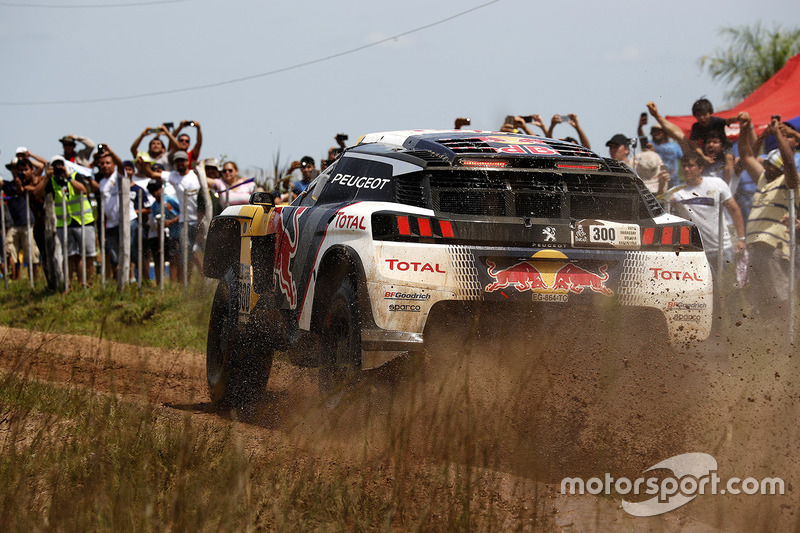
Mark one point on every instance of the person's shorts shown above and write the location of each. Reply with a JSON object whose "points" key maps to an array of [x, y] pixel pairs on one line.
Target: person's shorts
{"points": [[16, 240], [74, 240], [112, 242], [175, 243]]}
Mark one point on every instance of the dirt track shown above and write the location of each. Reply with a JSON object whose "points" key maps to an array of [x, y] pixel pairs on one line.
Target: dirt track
{"points": [[536, 409]]}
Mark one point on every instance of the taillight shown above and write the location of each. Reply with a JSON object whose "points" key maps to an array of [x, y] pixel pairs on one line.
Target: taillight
{"points": [[685, 237], [409, 228], [485, 163]]}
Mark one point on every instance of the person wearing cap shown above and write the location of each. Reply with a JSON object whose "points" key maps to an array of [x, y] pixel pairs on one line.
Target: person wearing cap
{"points": [[39, 163], [619, 148], [669, 151], [22, 215], [648, 165], [187, 189], [767, 237], [66, 189], [81, 157]]}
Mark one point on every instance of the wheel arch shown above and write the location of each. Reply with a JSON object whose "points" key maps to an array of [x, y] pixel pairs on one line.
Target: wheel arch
{"points": [[223, 246], [338, 262]]}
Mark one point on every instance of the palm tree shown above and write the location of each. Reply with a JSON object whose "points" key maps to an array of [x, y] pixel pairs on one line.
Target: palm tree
{"points": [[752, 57]]}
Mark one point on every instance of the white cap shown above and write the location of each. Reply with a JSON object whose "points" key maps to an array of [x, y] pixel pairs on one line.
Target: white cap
{"points": [[21, 150]]}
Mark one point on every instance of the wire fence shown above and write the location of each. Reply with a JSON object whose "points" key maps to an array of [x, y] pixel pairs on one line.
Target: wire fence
{"points": [[58, 263]]}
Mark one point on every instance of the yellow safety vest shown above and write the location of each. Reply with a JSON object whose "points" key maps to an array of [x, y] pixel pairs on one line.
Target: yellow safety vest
{"points": [[74, 206]]}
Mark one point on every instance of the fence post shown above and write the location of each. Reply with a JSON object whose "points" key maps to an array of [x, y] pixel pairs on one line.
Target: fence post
{"points": [[3, 227], [102, 240], [124, 228], [83, 247], [65, 234], [139, 246], [161, 250], [28, 238], [792, 261], [185, 242]]}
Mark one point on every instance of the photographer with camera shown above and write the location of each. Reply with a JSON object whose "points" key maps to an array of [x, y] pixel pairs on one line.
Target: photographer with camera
{"points": [[79, 157], [22, 213], [572, 120], [334, 151], [68, 189], [156, 152]]}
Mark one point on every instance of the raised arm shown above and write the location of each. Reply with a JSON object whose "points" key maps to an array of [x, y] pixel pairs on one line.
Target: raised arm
{"points": [[670, 129], [198, 143], [573, 121], [746, 141], [738, 222], [787, 154], [138, 141]]}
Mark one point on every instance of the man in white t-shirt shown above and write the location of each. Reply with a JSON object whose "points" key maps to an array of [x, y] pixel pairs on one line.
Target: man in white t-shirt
{"points": [[110, 171], [187, 188], [698, 200]]}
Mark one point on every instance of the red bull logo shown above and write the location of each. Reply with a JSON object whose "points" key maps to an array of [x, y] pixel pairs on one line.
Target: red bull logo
{"points": [[285, 250], [548, 278]]}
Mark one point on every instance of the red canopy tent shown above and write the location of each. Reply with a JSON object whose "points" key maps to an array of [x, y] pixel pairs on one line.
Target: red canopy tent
{"points": [[779, 95]]}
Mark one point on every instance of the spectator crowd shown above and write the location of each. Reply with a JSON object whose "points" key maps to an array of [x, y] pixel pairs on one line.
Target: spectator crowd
{"points": [[59, 213]]}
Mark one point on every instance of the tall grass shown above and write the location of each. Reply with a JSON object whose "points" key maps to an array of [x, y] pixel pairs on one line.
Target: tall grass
{"points": [[176, 319]]}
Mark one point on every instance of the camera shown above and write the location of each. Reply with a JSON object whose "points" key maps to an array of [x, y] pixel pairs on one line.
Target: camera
{"points": [[153, 130], [527, 118], [191, 123], [101, 148], [776, 117], [341, 137], [564, 118], [644, 118], [169, 125]]}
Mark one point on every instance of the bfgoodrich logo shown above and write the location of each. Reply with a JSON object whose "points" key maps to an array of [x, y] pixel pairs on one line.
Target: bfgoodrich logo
{"points": [[692, 474]]}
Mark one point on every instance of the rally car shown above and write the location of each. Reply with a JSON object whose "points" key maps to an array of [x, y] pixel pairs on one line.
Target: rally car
{"points": [[410, 226]]}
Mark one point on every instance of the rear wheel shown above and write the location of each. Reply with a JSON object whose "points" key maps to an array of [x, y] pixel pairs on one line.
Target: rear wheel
{"points": [[341, 339], [238, 361]]}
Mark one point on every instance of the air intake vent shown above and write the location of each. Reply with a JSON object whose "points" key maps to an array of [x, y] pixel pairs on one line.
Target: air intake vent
{"points": [[431, 158], [409, 189], [467, 146]]}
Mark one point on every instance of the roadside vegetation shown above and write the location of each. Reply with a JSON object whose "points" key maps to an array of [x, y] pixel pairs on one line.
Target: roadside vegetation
{"points": [[76, 460], [177, 319]]}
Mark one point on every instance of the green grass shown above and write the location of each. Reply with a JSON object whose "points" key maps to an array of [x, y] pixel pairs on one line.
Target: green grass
{"points": [[176, 319]]}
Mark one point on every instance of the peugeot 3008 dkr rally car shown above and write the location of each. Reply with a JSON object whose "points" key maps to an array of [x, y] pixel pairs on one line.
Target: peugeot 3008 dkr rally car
{"points": [[405, 224]]}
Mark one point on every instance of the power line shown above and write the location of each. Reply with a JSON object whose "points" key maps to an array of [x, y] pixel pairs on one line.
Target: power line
{"points": [[252, 76], [91, 6]]}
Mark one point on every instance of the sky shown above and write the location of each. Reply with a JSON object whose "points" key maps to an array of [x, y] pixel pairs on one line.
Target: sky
{"points": [[313, 68]]}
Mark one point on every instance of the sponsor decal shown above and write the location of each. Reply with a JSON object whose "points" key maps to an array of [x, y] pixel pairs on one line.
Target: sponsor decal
{"points": [[344, 221], [603, 234], [286, 248], [415, 296], [518, 145], [359, 182], [679, 306], [407, 308], [414, 266], [678, 275], [550, 277]]}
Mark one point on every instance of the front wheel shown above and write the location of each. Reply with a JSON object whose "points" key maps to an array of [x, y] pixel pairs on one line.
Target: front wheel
{"points": [[238, 361], [341, 339]]}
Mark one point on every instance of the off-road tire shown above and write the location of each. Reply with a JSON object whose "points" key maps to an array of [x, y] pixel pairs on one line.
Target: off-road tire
{"points": [[238, 362], [341, 339]]}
